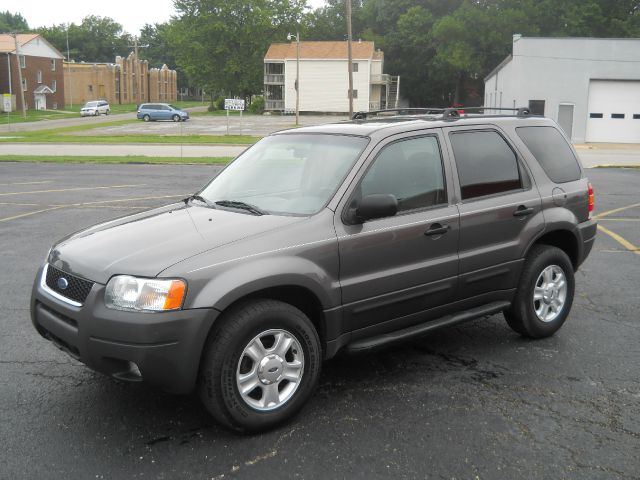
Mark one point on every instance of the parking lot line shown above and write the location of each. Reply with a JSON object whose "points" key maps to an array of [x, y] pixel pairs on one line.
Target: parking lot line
{"points": [[25, 183], [71, 189], [6, 219], [622, 241], [615, 210], [609, 219]]}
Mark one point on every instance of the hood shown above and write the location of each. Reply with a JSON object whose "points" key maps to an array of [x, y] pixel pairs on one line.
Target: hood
{"points": [[147, 243]]}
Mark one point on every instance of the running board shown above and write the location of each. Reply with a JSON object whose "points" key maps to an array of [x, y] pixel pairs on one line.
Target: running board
{"points": [[371, 343]]}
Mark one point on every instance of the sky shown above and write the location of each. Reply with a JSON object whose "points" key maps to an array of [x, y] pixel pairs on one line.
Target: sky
{"points": [[131, 14]]}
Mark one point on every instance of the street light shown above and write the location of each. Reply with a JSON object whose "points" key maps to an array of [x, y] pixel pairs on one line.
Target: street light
{"points": [[297, 37]]}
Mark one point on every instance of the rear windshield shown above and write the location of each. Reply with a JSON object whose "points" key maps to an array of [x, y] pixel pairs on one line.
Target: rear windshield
{"points": [[552, 152]]}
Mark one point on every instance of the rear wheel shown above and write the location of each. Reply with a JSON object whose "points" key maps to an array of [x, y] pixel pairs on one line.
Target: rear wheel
{"points": [[261, 364], [545, 293]]}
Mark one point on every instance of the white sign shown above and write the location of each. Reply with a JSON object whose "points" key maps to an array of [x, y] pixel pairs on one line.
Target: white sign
{"points": [[233, 104], [6, 102]]}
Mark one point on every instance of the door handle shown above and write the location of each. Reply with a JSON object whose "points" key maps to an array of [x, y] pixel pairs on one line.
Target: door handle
{"points": [[522, 211], [437, 229]]}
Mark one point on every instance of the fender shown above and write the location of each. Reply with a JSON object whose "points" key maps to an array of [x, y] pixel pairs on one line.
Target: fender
{"points": [[245, 278]]}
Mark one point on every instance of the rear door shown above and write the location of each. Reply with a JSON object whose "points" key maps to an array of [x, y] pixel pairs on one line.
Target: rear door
{"points": [[394, 269], [500, 211]]}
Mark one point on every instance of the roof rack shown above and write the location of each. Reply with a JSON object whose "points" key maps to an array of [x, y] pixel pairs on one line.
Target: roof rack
{"points": [[443, 113]]}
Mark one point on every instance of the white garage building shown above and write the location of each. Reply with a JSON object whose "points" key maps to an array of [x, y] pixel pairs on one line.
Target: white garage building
{"points": [[590, 86]]}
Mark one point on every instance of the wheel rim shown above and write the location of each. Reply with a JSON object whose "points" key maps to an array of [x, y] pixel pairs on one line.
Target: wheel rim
{"points": [[270, 370], [550, 293]]}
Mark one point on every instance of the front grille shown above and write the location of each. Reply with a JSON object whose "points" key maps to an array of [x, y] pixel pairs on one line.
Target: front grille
{"points": [[77, 288]]}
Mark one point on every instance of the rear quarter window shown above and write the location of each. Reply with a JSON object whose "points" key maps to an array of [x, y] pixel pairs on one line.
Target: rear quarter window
{"points": [[552, 152]]}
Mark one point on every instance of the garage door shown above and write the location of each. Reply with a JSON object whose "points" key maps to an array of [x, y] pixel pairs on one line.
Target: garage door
{"points": [[614, 111]]}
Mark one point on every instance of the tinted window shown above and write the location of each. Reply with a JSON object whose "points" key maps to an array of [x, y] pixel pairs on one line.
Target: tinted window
{"points": [[552, 152], [486, 164], [411, 170], [617, 115], [595, 115]]}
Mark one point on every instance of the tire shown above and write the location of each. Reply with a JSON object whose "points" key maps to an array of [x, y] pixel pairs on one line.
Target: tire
{"points": [[146, 118], [232, 355], [107, 112], [176, 118], [97, 113], [545, 293]]}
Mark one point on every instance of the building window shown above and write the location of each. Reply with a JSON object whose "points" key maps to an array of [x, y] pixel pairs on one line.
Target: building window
{"points": [[24, 84], [23, 61], [39, 75], [53, 64], [55, 105], [536, 107], [595, 115], [355, 93], [355, 67], [54, 85], [636, 116], [617, 115]]}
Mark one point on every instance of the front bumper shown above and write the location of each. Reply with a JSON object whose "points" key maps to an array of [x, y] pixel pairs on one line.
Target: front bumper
{"points": [[163, 349]]}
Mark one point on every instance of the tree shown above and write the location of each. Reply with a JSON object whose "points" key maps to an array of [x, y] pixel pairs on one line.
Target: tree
{"points": [[220, 44], [12, 23], [96, 39]]}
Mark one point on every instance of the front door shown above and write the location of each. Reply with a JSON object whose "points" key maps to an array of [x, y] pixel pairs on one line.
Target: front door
{"points": [[40, 101], [394, 269]]}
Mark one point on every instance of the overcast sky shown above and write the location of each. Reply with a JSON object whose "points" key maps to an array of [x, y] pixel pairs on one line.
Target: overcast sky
{"points": [[131, 14]]}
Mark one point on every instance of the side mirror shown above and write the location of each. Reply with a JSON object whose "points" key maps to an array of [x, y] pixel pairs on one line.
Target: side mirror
{"points": [[377, 205]]}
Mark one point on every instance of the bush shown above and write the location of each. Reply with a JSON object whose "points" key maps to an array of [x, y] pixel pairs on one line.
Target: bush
{"points": [[219, 102], [257, 105], [212, 107]]}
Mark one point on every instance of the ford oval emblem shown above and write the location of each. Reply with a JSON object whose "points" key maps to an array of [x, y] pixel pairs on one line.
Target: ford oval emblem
{"points": [[63, 283]]}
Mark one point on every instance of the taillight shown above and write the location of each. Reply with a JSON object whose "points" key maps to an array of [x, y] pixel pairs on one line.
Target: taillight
{"points": [[590, 187]]}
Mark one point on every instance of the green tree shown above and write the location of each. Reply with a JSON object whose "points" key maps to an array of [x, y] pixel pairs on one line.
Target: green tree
{"points": [[220, 45], [12, 22], [96, 39]]}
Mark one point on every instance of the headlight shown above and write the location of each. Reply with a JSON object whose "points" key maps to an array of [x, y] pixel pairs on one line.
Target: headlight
{"points": [[130, 293]]}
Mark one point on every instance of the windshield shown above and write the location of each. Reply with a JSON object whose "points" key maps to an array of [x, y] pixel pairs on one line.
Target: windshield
{"points": [[90, 104], [293, 174], [172, 107]]}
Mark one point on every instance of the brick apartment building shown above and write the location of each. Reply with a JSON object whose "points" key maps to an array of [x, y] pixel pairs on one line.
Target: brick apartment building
{"points": [[127, 80], [40, 65]]}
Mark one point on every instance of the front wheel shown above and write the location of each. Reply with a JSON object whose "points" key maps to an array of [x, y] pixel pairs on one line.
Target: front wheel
{"points": [[545, 293], [261, 364], [146, 118], [176, 118]]}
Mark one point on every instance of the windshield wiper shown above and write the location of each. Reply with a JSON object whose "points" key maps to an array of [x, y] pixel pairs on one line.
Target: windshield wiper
{"points": [[242, 206], [200, 198]]}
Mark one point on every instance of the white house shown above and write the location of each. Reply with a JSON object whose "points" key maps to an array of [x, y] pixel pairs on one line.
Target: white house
{"points": [[590, 86], [324, 79]]}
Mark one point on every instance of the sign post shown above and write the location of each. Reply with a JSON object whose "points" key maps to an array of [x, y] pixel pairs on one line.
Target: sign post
{"points": [[7, 105], [234, 104]]}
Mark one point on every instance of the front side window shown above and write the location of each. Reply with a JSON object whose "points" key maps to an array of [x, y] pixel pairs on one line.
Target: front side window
{"points": [[290, 174], [486, 164], [410, 170]]}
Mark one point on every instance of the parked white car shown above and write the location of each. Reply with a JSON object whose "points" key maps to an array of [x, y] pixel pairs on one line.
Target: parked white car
{"points": [[95, 108]]}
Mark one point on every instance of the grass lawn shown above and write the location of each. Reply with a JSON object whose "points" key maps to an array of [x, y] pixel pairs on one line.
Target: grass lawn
{"points": [[61, 135], [124, 159]]}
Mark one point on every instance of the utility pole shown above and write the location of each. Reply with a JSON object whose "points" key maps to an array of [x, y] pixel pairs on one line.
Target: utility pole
{"points": [[136, 70], [350, 56], [24, 107], [68, 71], [289, 37]]}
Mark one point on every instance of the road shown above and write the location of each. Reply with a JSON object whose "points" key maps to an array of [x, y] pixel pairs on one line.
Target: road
{"points": [[473, 401], [149, 150]]}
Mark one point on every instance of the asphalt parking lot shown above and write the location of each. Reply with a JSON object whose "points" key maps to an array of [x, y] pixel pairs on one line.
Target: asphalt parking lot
{"points": [[474, 401]]}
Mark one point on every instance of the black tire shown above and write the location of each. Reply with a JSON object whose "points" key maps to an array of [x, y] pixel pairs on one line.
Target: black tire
{"points": [[97, 113], [522, 316], [107, 112], [225, 351], [146, 118], [176, 118]]}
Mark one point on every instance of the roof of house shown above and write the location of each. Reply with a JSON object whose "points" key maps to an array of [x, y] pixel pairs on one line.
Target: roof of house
{"points": [[361, 50], [8, 44]]}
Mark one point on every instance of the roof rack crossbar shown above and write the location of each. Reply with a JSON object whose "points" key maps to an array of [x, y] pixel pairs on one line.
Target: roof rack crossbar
{"points": [[443, 113], [398, 112]]}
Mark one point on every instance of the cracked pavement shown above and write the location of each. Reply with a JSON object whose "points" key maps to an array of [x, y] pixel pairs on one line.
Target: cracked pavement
{"points": [[471, 401]]}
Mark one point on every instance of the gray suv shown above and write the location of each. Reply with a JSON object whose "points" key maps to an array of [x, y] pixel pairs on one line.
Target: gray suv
{"points": [[342, 237]]}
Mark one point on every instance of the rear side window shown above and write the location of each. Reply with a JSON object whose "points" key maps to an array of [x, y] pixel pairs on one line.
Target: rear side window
{"points": [[552, 152], [486, 164]]}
